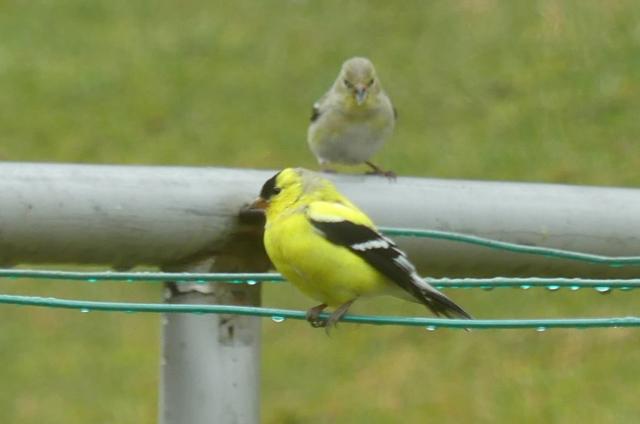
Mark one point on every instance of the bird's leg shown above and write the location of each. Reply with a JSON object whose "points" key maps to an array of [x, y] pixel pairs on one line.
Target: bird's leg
{"points": [[337, 315], [379, 171], [313, 316]]}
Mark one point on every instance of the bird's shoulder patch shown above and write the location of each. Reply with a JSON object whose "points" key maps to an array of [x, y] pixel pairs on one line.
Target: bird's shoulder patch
{"points": [[335, 211]]}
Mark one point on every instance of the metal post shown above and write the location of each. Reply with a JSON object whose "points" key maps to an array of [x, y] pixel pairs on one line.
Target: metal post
{"points": [[211, 363], [210, 366]]}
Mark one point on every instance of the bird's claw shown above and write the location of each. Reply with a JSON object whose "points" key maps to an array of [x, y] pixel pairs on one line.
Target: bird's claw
{"points": [[318, 323], [389, 174], [313, 316], [376, 170]]}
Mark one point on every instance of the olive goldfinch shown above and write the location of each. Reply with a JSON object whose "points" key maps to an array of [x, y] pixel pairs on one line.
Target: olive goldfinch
{"points": [[353, 119], [330, 250]]}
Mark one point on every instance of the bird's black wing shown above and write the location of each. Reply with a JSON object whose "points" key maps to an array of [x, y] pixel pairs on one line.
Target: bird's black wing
{"points": [[383, 254]]}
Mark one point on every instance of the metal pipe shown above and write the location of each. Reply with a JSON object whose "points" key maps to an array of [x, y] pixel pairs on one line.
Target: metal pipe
{"points": [[131, 215], [210, 367]]}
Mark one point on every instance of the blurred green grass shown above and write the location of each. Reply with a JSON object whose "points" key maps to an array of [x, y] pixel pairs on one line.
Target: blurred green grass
{"points": [[486, 89]]}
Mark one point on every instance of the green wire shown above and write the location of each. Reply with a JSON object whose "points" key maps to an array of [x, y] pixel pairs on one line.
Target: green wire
{"points": [[252, 278], [279, 315], [528, 282], [614, 261], [95, 276]]}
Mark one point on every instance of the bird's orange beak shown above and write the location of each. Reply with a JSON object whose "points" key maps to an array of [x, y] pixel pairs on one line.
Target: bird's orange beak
{"points": [[259, 204]]}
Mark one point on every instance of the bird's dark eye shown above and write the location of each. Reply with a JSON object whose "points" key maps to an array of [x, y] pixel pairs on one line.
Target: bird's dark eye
{"points": [[347, 83], [276, 190], [371, 81]]}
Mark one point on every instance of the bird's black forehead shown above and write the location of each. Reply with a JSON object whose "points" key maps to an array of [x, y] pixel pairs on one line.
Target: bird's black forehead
{"points": [[268, 188]]}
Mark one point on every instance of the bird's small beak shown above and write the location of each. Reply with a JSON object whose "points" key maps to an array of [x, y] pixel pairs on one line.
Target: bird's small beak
{"points": [[362, 92], [253, 214], [258, 204]]}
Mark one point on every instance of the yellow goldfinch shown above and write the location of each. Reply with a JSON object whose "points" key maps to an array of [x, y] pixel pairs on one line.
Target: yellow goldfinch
{"points": [[353, 119], [328, 248]]}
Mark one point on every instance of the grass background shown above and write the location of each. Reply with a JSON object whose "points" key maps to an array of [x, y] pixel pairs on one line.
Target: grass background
{"points": [[486, 89]]}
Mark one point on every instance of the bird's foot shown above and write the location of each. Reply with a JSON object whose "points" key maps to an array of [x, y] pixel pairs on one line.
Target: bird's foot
{"points": [[376, 170], [313, 316], [389, 174], [337, 316]]}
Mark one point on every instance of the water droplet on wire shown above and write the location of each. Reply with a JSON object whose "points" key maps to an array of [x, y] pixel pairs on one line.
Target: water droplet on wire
{"points": [[603, 289]]}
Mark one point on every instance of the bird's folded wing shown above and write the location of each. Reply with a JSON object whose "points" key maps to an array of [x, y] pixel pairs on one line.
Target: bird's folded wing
{"points": [[317, 109], [315, 112], [352, 229]]}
